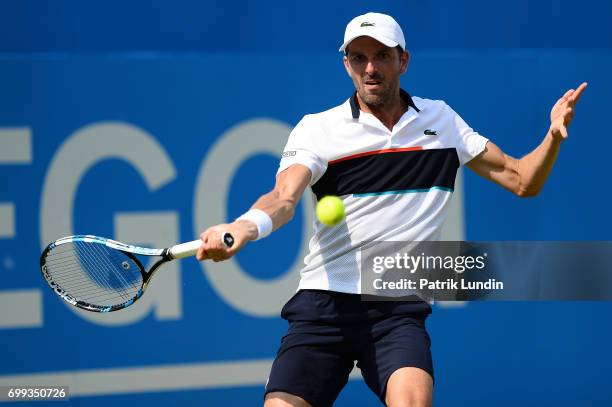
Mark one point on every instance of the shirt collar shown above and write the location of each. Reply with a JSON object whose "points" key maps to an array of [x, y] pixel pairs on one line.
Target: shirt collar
{"points": [[403, 94]]}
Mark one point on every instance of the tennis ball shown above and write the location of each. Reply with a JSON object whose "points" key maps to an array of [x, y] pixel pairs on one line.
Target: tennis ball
{"points": [[330, 210]]}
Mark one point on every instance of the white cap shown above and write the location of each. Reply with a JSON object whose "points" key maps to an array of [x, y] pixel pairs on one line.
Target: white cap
{"points": [[381, 27]]}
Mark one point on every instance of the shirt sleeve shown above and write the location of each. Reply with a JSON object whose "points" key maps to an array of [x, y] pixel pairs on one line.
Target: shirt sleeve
{"points": [[301, 149], [468, 142]]}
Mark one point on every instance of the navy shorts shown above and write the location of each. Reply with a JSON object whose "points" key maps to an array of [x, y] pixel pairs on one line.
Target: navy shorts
{"points": [[329, 331]]}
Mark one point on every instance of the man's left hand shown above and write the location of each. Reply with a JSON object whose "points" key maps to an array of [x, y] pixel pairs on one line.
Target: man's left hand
{"points": [[562, 112]]}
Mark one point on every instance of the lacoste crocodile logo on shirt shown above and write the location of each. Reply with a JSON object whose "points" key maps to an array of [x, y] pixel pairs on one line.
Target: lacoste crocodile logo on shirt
{"points": [[430, 132]]}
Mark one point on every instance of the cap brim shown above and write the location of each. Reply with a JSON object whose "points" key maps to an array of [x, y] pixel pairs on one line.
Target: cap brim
{"points": [[379, 38]]}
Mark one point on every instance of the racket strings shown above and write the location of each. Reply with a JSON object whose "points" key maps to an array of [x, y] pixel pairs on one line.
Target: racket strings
{"points": [[92, 262], [68, 276], [107, 263], [95, 259], [94, 273]]}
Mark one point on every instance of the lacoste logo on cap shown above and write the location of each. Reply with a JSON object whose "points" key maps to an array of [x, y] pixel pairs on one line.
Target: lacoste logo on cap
{"points": [[429, 132], [367, 24]]}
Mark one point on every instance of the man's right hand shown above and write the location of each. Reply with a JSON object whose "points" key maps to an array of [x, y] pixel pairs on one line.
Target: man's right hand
{"points": [[213, 247]]}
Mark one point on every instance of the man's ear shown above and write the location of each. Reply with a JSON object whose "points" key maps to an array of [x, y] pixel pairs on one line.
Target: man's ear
{"points": [[404, 60], [346, 65]]}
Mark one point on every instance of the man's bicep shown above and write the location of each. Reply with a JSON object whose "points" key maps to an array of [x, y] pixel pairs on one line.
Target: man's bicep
{"points": [[493, 164], [292, 181]]}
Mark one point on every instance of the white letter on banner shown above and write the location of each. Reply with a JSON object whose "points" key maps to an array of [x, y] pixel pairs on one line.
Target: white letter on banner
{"points": [[249, 295], [16, 148], [80, 152]]}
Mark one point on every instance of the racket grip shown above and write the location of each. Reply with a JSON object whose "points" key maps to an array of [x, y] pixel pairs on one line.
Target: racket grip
{"points": [[190, 248], [185, 249]]}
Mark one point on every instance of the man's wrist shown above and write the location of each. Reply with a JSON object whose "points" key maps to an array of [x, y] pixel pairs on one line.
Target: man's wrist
{"points": [[249, 226], [558, 138]]}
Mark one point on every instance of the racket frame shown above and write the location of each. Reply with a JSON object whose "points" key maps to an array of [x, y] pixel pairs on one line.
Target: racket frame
{"points": [[128, 250]]}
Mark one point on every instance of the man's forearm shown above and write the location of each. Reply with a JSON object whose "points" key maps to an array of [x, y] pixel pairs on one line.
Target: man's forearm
{"points": [[277, 207], [533, 169], [280, 210]]}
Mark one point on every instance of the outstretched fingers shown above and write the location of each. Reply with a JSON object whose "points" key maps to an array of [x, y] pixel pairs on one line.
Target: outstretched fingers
{"points": [[575, 97]]}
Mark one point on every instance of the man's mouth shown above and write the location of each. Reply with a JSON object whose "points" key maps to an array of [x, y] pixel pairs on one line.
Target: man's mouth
{"points": [[373, 85]]}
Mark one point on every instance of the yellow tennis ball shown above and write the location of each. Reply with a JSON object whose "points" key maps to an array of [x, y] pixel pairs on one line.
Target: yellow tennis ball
{"points": [[330, 210]]}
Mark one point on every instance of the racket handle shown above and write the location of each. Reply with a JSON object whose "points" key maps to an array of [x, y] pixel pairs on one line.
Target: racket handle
{"points": [[190, 248], [185, 249]]}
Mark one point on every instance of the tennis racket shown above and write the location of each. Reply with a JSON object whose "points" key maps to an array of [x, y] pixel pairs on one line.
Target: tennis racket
{"points": [[103, 275]]}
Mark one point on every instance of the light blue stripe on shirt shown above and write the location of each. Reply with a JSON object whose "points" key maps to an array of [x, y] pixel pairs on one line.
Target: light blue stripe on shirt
{"points": [[404, 191]]}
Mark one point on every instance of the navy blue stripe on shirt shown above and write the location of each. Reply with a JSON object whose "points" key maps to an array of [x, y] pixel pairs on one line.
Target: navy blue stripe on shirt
{"points": [[389, 171]]}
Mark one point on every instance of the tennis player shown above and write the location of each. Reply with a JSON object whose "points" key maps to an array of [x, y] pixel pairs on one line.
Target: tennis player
{"points": [[392, 159]]}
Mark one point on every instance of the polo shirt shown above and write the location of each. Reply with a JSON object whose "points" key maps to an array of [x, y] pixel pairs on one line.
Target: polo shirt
{"points": [[396, 185]]}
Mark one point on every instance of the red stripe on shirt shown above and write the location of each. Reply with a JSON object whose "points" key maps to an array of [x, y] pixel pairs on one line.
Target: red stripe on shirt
{"points": [[367, 153]]}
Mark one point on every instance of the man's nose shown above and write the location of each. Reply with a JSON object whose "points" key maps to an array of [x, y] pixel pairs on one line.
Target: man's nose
{"points": [[370, 67]]}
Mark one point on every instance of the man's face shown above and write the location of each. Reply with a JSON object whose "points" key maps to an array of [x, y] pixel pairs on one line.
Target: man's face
{"points": [[375, 70]]}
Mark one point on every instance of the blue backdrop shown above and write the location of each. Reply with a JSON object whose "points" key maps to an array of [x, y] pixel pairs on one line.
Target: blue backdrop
{"points": [[114, 118]]}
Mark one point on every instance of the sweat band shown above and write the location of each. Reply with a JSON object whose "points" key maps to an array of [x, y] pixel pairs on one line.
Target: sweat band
{"points": [[261, 220]]}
